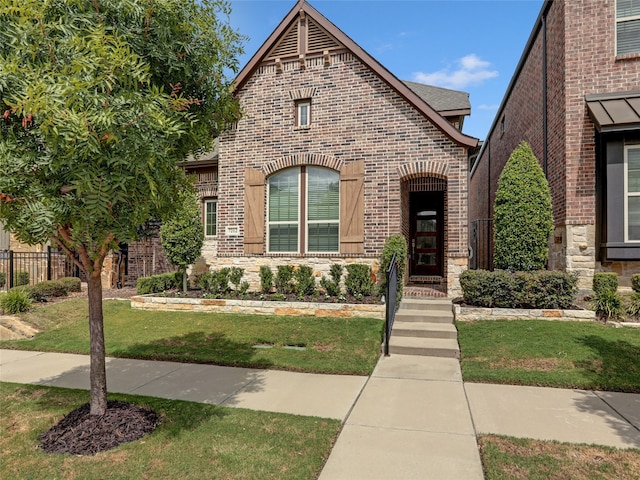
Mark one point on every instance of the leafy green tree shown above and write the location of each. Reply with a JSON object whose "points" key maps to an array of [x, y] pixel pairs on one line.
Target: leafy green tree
{"points": [[523, 218], [99, 101], [182, 234]]}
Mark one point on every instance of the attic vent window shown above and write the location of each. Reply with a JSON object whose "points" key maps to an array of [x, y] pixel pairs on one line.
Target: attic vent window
{"points": [[303, 113]]}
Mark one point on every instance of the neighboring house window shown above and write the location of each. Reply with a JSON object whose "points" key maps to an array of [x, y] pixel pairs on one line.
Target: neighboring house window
{"points": [[627, 26], [303, 113], [303, 213], [632, 192], [210, 218]]}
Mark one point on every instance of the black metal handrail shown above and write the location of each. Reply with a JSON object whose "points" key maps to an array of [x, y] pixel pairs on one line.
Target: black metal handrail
{"points": [[391, 300]]}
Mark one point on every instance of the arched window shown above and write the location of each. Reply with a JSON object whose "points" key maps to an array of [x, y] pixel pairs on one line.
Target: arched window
{"points": [[303, 211]]}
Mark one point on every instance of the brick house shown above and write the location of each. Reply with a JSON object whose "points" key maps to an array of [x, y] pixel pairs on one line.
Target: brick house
{"points": [[575, 97], [333, 155]]}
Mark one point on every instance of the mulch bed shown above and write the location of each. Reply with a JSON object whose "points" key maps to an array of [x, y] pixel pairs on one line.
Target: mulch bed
{"points": [[81, 433]]}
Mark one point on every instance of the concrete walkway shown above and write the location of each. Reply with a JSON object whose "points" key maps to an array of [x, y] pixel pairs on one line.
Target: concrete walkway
{"points": [[413, 418]]}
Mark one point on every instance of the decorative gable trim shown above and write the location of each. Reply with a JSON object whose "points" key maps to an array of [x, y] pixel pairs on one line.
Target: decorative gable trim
{"points": [[302, 93], [300, 159], [407, 171], [303, 14]]}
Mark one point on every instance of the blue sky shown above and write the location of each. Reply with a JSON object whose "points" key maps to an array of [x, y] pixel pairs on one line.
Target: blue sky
{"points": [[468, 45]]}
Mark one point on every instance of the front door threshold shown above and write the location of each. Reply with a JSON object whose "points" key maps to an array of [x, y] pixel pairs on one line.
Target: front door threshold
{"points": [[429, 279]]}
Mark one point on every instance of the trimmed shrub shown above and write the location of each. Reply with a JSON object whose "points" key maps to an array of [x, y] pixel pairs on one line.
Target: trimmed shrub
{"points": [[542, 289], [359, 280], [305, 282], [523, 219], [332, 286], [3, 279], [72, 284], [216, 282], [394, 244], [157, 283], [15, 301], [266, 278], [635, 282], [284, 279], [50, 288], [605, 281], [20, 278]]}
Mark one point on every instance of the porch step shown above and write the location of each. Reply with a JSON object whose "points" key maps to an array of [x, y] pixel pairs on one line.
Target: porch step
{"points": [[431, 347], [417, 303], [428, 316], [424, 330]]}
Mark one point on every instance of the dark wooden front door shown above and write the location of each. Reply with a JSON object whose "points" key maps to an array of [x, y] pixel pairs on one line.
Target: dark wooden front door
{"points": [[427, 228]]}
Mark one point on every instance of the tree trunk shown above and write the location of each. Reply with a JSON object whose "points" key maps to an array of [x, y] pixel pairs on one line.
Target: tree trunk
{"points": [[184, 280], [98, 375]]}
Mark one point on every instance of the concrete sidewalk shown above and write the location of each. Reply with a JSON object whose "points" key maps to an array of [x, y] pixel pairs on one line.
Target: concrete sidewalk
{"points": [[412, 419], [328, 396]]}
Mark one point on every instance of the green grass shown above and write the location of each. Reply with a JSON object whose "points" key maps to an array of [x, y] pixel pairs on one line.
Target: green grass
{"points": [[193, 441], [506, 458], [581, 355], [333, 345]]}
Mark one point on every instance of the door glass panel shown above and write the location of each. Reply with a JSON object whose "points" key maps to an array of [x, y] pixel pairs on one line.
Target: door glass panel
{"points": [[426, 225], [425, 242], [426, 259]]}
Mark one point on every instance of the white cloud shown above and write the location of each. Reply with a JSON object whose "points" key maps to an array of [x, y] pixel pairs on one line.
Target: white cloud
{"points": [[469, 70], [484, 106]]}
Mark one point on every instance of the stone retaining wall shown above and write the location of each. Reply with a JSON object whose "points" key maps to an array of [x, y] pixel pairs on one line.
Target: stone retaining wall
{"points": [[345, 310], [465, 314]]}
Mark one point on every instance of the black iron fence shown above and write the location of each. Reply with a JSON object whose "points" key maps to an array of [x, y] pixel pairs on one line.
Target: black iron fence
{"points": [[391, 301], [29, 268], [481, 254]]}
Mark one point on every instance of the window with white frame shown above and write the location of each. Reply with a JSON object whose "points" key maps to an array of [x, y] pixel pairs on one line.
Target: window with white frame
{"points": [[627, 26], [303, 113], [210, 218], [632, 193], [303, 213]]}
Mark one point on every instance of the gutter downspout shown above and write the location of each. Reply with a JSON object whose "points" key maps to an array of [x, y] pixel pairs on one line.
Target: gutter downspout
{"points": [[545, 134]]}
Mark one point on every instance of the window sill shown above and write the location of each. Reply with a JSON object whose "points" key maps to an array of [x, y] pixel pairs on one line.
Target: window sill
{"points": [[302, 128], [621, 251], [627, 56]]}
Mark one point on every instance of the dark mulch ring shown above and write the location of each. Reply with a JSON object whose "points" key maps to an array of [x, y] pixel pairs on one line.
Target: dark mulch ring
{"points": [[81, 433]]}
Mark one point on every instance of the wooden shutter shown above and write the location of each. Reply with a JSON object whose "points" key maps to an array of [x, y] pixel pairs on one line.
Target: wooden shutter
{"points": [[352, 207], [253, 211]]}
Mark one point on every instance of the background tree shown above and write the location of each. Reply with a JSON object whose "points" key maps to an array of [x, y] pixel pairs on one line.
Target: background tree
{"points": [[99, 100], [182, 234], [523, 218]]}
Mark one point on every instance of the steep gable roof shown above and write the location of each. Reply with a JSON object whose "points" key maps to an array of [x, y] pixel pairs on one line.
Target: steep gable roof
{"points": [[287, 41]]}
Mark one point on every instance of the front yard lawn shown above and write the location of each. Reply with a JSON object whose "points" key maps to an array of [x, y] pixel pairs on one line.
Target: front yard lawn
{"points": [[304, 344], [508, 458], [581, 355], [192, 441]]}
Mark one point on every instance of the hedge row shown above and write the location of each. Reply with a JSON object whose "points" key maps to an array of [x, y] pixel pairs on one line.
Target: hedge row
{"points": [[539, 289], [51, 288], [158, 283]]}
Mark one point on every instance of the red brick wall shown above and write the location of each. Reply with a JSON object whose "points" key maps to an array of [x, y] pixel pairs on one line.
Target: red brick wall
{"points": [[580, 60], [355, 116]]}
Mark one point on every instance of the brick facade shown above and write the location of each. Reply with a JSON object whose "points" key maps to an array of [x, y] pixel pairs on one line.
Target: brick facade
{"points": [[356, 115], [580, 60]]}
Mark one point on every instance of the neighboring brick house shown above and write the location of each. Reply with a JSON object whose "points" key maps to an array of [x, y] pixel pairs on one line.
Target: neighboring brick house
{"points": [[575, 97], [333, 155]]}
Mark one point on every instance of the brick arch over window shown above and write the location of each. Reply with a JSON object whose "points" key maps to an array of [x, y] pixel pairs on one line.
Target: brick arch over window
{"points": [[300, 159], [430, 168]]}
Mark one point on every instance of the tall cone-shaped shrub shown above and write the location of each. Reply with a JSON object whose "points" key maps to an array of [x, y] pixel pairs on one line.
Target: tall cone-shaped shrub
{"points": [[523, 218]]}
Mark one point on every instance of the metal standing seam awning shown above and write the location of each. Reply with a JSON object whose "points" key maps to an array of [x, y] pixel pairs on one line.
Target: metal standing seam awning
{"points": [[613, 112]]}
